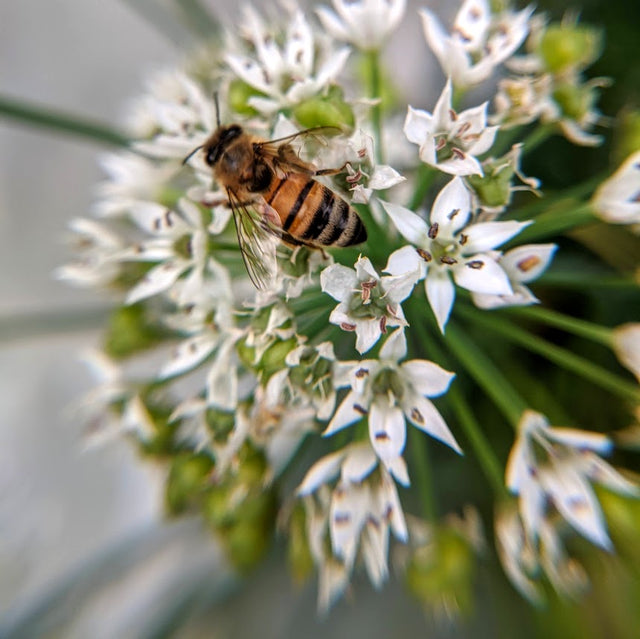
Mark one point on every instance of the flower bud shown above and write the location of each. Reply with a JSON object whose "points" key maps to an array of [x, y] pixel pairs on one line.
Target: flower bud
{"points": [[129, 331], [329, 110], [239, 94], [574, 100], [566, 47], [220, 423], [274, 357], [494, 188], [187, 480]]}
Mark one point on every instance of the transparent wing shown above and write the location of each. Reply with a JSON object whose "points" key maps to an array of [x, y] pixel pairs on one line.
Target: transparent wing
{"points": [[258, 243]]}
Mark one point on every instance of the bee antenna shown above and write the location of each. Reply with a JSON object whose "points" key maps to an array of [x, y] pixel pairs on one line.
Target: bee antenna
{"points": [[217, 103], [192, 154]]}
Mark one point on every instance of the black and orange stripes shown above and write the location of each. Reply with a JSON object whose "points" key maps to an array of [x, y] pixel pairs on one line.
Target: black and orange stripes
{"points": [[312, 214]]}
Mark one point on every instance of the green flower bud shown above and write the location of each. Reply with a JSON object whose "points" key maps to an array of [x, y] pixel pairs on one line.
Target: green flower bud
{"points": [[274, 357], [246, 353], [329, 110], [220, 424], [494, 188], [252, 466], [443, 571], [299, 553], [187, 480], [574, 100], [239, 94], [565, 47], [130, 331]]}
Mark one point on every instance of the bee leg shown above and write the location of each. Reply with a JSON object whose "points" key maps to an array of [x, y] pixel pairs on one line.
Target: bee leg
{"points": [[332, 171]]}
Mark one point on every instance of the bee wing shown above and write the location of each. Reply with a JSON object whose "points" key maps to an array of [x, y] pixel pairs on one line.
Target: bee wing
{"points": [[281, 155], [258, 242]]}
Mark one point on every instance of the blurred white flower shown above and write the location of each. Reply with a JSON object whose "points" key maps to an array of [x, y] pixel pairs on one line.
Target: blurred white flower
{"points": [[365, 23], [451, 246], [288, 73], [479, 40], [617, 200], [553, 466], [626, 346], [449, 141]]}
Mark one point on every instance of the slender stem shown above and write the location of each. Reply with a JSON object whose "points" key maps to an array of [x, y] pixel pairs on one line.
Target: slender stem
{"points": [[49, 323], [424, 178], [576, 192], [486, 374], [537, 137], [422, 472], [587, 279], [373, 60], [558, 355], [581, 328], [198, 19], [35, 115], [554, 222]]}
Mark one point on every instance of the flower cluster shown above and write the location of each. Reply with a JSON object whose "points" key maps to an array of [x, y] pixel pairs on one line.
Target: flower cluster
{"points": [[226, 349]]}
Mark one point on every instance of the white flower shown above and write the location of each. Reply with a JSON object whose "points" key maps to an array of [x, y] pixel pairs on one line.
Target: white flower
{"points": [[285, 74], [522, 264], [524, 560], [172, 119], [479, 41], [449, 141], [389, 394], [626, 345], [523, 99], [364, 23], [617, 200], [553, 466], [358, 514], [451, 246], [368, 303]]}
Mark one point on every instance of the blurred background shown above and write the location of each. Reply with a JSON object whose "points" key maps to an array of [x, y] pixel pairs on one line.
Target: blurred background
{"points": [[83, 548]]}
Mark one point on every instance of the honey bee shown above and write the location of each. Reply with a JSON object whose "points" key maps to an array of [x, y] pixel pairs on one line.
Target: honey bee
{"points": [[273, 194]]}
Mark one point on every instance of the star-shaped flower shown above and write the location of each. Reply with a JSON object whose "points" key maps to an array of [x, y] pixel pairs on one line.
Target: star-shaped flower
{"points": [[389, 394], [368, 303], [553, 466], [364, 23], [617, 200], [449, 141], [479, 40], [451, 246]]}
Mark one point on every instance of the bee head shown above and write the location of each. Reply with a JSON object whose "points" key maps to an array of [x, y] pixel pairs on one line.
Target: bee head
{"points": [[219, 141]]}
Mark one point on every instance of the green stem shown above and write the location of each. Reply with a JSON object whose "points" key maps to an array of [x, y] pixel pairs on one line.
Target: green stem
{"points": [[537, 137], [556, 354], [423, 477], [198, 19], [44, 117], [571, 279], [49, 323], [373, 60], [486, 374], [554, 222], [581, 328], [425, 175]]}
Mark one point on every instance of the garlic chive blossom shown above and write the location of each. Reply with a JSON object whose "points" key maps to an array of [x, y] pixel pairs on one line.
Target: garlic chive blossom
{"points": [[451, 247]]}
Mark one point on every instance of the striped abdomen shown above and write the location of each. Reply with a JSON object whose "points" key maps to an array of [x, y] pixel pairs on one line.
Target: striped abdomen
{"points": [[312, 214]]}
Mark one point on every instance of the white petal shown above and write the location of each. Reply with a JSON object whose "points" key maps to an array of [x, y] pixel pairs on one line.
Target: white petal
{"points": [[405, 260], [452, 207], [387, 430], [471, 23], [333, 579], [332, 24], [158, 279], [367, 334], [384, 177], [322, 472], [359, 462], [481, 274], [580, 439], [484, 141], [188, 354], [338, 281], [461, 166], [395, 347], [417, 125], [486, 236], [626, 345], [442, 111], [526, 263], [398, 468], [424, 415], [411, 226], [349, 411], [603, 473], [440, 292], [427, 377]]}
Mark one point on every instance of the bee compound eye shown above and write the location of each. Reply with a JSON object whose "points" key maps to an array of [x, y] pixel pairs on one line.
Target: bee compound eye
{"points": [[212, 155]]}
